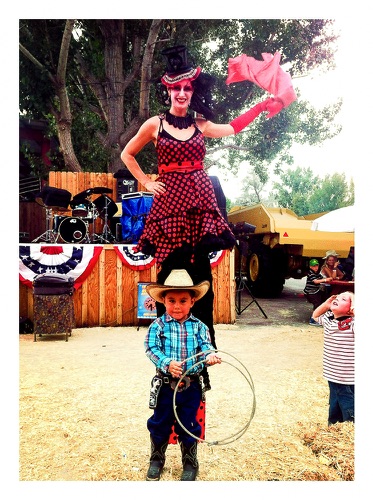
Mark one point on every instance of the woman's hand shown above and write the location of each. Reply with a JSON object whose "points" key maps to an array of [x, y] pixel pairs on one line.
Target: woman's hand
{"points": [[273, 106], [155, 187]]}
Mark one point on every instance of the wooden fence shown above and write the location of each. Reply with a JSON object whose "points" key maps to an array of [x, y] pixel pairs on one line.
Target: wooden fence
{"points": [[108, 297]]}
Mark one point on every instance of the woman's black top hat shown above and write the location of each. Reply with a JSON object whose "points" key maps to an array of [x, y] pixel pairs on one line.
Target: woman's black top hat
{"points": [[178, 66]]}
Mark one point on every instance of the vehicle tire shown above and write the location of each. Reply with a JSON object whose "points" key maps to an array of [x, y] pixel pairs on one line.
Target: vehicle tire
{"points": [[265, 272]]}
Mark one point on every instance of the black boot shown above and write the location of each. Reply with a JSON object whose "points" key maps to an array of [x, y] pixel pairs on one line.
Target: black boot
{"points": [[157, 460], [189, 461]]}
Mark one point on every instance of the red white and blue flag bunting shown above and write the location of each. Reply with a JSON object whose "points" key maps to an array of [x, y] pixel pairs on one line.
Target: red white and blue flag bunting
{"points": [[216, 257], [139, 261], [136, 261], [75, 261], [78, 261]]}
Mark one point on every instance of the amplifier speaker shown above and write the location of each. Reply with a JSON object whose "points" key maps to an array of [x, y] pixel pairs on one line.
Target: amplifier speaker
{"points": [[126, 183]]}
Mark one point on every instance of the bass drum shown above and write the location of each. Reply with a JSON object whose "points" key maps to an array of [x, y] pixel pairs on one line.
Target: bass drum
{"points": [[72, 230], [57, 221]]}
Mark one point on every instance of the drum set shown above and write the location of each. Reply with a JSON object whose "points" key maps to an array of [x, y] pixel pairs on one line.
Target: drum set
{"points": [[80, 227]]}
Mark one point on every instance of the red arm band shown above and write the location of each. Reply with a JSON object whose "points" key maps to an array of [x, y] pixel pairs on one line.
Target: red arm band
{"points": [[244, 120]]}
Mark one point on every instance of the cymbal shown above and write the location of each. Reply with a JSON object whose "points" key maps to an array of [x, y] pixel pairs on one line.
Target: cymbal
{"points": [[101, 190], [95, 190], [78, 201]]}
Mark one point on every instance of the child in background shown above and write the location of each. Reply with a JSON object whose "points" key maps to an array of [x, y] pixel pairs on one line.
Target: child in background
{"points": [[173, 338], [314, 292], [337, 316]]}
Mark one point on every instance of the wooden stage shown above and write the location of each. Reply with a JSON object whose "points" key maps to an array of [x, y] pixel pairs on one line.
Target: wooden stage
{"points": [[108, 295]]}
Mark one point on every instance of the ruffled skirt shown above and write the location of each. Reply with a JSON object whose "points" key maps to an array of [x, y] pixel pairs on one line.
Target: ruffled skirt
{"points": [[186, 217]]}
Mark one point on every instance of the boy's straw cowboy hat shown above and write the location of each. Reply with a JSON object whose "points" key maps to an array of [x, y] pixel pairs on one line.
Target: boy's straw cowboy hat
{"points": [[178, 279]]}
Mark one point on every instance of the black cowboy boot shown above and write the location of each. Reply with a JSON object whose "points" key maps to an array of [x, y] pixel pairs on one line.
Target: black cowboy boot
{"points": [[189, 461], [157, 460]]}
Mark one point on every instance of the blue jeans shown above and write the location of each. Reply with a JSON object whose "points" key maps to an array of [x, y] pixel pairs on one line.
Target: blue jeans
{"points": [[341, 403], [163, 418]]}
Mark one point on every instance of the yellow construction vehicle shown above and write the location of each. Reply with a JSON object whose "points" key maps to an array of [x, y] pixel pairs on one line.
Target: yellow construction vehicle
{"points": [[274, 244]]}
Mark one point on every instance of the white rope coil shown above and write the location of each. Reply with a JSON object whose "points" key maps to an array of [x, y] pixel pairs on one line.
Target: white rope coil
{"points": [[245, 373]]}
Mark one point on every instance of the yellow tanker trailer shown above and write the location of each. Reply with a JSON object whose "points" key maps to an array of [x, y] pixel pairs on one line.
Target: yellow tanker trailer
{"points": [[275, 244]]}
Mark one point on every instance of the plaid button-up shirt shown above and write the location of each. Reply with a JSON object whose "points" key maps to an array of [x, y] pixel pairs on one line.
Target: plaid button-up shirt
{"points": [[168, 340]]}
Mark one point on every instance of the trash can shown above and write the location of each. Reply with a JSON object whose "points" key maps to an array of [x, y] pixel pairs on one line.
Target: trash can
{"points": [[53, 305]]}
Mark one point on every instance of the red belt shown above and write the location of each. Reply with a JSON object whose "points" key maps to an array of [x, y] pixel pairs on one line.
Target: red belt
{"points": [[181, 166]]}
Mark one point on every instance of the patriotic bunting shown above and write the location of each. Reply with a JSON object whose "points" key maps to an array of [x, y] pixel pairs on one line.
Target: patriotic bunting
{"points": [[75, 261], [216, 257], [78, 261], [139, 261], [135, 261]]}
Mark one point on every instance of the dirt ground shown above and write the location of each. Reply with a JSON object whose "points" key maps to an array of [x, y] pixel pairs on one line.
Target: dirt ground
{"points": [[84, 404]]}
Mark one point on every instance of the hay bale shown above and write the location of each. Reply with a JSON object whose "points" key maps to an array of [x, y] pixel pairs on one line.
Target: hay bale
{"points": [[334, 447]]}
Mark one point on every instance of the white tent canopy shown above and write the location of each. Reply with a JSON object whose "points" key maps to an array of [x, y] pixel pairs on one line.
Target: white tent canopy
{"points": [[341, 220]]}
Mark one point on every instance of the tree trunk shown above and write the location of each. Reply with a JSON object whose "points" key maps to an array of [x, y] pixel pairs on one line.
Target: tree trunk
{"points": [[64, 117], [114, 85], [66, 144]]}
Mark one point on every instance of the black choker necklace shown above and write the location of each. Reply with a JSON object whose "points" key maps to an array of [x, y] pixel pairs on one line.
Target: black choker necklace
{"points": [[179, 122]]}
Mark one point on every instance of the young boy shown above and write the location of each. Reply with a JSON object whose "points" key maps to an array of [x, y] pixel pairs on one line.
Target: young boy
{"points": [[171, 339], [337, 315], [313, 291]]}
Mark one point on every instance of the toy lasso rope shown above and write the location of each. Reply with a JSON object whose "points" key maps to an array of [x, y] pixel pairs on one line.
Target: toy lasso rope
{"points": [[249, 380]]}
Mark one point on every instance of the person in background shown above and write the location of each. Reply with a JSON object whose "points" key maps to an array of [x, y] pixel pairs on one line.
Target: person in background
{"points": [[172, 343], [337, 316], [314, 291], [349, 265], [330, 268]]}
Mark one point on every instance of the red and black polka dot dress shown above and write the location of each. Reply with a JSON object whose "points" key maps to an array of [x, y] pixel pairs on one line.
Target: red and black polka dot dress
{"points": [[187, 215]]}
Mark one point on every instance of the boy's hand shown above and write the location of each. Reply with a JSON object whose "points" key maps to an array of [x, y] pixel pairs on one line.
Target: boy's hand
{"points": [[213, 358], [175, 368], [330, 299]]}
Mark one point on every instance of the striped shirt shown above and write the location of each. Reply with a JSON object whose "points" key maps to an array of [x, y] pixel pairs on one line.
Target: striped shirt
{"points": [[168, 340], [312, 287], [339, 348]]}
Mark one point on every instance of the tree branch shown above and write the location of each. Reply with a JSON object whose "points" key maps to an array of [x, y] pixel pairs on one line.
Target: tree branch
{"points": [[226, 146], [146, 68], [64, 51], [37, 63]]}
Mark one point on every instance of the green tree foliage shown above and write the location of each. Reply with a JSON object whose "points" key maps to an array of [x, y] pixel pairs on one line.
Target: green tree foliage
{"points": [[251, 189], [113, 66], [306, 193], [334, 192]]}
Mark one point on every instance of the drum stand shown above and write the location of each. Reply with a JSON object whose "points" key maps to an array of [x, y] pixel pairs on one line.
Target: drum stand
{"points": [[49, 236], [241, 284], [95, 237], [106, 236]]}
